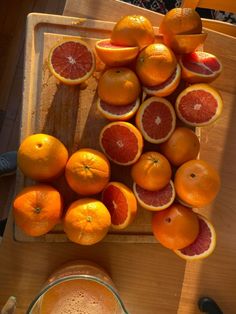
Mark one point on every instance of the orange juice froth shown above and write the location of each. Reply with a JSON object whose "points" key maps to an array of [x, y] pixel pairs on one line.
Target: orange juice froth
{"points": [[79, 296]]}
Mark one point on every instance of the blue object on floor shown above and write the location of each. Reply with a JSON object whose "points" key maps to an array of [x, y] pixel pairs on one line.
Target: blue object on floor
{"points": [[8, 163]]}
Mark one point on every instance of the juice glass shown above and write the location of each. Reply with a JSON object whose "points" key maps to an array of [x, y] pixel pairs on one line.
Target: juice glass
{"points": [[78, 287]]}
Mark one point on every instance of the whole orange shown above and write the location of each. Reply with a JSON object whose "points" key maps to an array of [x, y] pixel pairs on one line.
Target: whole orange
{"points": [[180, 21], [87, 221], [155, 64], [87, 171], [197, 183], [175, 227], [183, 145], [182, 30], [42, 157], [133, 30], [37, 209], [152, 171], [119, 86]]}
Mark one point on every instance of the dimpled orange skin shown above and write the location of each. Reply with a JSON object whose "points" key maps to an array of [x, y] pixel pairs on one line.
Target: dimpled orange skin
{"points": [[181, 21], [87, 221], [183, 145], [119, 86], [155, 64], [197, 183], [42, 157], [133, 30], [37, 209], [152, 171], [175, 227], [87, 171]]}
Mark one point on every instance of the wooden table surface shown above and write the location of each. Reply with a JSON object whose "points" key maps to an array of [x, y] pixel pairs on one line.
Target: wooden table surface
{"points": [[150, 278]]}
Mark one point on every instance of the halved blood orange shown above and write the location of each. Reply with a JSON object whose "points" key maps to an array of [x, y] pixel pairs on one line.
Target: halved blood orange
{"points": [[72, 61], [199, 105], [204, 244], [118, 113], [155, 200], [121, 142], [121, 203], [200, 67], [156, 119], [167, 87], [115, 55]]}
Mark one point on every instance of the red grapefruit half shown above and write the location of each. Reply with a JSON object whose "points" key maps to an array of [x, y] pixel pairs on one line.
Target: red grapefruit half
{"points": [[155, 200], [199, 105], [156, 119], [200, 67], [204, 244], [115, 55], [167, 87], [72, 61], [118, 113], [121, 203], [121, 142]]}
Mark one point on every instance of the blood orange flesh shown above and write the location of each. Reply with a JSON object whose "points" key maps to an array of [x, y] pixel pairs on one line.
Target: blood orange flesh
{"points": [[72, 61], [121, 142], [155, 200], [115, 55], [156, 119], [116, 203], [199, 67], [112, 112], [199, 105], [167, 87], [203, 245], [201, 62], [121, 203]]}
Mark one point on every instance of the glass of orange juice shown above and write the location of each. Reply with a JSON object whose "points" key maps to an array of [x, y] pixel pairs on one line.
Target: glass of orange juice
{"points": [[78, 287]]}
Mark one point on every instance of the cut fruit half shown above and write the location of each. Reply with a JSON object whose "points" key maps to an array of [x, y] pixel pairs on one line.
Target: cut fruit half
{"points": [[120, 113], [156, 119], [121, 142], [199, 105], [167, 87], [204, 244], [115, 55], [185, 43], [200, 67], [121, 203], [155, 200], [72, 62]]}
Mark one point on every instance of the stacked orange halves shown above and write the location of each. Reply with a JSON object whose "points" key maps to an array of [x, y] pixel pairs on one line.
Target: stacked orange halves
{"points": [[168, 178]]}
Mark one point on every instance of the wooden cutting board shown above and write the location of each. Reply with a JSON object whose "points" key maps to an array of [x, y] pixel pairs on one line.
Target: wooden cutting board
{"points": [[69, 113]]}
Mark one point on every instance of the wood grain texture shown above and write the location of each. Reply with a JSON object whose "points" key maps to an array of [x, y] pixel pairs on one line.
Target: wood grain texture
{"points": [[216, 276], [68, 112], [150, 278]]}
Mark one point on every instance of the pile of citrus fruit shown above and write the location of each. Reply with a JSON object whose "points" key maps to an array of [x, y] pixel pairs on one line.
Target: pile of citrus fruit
{"points": [[168, 180]]}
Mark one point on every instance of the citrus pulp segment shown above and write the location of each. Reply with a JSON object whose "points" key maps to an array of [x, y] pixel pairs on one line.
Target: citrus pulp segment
{"points": [[166, 88], [204, 244], [121, 203], [72, 61], [118, 113], [156, 119], [200, 67], [115, 55], [155, 200], [199, 105], [121, 142]]}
